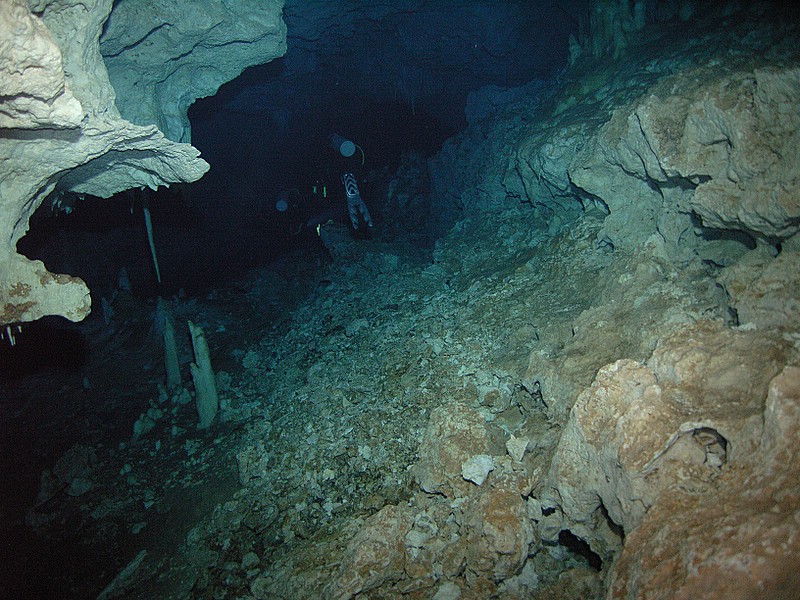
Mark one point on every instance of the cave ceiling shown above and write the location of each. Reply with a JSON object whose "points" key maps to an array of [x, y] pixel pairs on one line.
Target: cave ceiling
{"points": [[427, 55]]}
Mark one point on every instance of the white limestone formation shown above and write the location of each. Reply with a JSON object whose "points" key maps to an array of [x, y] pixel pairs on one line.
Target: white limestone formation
{"points": [[62, 133]]}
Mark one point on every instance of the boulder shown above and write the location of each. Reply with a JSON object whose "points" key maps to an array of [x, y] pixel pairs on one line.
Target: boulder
{"points": [[740, 539], [374, 556], [455, 434], [688, 424]]}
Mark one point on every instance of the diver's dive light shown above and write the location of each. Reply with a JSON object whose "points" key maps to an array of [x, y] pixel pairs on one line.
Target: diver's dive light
{"points": [[344, 146]]}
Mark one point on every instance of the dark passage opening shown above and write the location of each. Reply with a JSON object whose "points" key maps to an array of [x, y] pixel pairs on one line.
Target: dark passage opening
{"points": [[580, 549]]}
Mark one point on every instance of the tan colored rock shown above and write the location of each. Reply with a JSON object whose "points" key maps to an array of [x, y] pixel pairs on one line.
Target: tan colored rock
{"points": [[637, 300], [375, 556], [454, 435], [499, 533], [679, 421], [743, 132], [29, 291], [713, 366], [476, 541], [583, 471], [740, 540], [433, 545], [580, 582]]}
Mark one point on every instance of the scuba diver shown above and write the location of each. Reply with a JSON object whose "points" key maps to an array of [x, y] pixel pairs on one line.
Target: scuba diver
{"points": [[356, 208], [300, 214]]}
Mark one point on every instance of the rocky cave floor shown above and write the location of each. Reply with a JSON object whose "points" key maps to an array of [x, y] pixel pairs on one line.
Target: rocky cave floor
{"points": [[331, 372], [395, 420]]}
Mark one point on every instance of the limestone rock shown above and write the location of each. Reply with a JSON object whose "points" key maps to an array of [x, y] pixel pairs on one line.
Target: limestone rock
{"points": [[66, 132], [250, 560], [93, 151], [641, 433], [79, 486], [739, 541], [743, 133], [71, 473], [477, 468], [374, 556], [516, 447], [765, 291], [498, 533], [706, 142], [29, 291], [162, 55], [476, 542], [339, 243], [455, 433], [434, 546], [33, 89], [253, 462], [634, 302], [447, 591]]}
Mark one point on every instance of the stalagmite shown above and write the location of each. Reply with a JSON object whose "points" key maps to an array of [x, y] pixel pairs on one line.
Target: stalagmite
{"points": [[205, 387]]}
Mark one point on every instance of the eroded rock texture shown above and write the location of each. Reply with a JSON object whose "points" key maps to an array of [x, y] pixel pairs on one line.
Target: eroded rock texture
{"points": [[668, 362], [740, 537], [695, 410], [62, 132], [592, 391], [162, 56], [704, 140]]}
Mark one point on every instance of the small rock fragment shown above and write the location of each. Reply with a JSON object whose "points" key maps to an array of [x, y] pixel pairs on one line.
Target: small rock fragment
{"points": [[79, 486], [477, 468], [250, 560], [516, 447]]}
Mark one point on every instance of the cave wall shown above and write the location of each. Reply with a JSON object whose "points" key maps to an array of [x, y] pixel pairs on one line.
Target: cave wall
{"points": [[672, 384], [426, 55], [675, 384], [161, 56], [62, 132], [679, 147]]}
